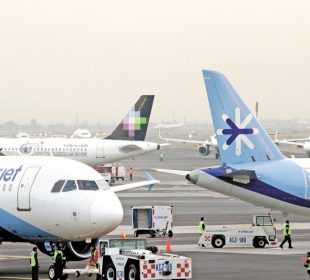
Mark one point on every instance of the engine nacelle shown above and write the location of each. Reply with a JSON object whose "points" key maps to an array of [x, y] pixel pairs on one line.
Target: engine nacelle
{"points": [[73, 251], [204, 150]]}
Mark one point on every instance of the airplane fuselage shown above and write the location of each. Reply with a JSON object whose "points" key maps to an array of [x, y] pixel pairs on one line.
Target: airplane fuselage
{"points": [[92, 151], [283, 185], [34, 209]]}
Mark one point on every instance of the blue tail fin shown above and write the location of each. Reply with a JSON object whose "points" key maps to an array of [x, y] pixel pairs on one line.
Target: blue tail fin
{"points": [[240, 136], [134, 125]]}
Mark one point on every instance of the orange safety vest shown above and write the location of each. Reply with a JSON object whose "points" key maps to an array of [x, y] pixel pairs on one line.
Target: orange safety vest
{"points": [[94, 258]]}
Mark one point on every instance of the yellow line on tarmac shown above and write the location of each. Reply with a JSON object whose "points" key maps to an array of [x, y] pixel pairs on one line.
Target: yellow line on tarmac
{"points": [[13, 257]]}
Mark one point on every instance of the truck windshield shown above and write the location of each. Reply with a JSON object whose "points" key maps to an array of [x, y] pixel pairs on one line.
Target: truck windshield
{"points": [[128, 244], [264, 221]]}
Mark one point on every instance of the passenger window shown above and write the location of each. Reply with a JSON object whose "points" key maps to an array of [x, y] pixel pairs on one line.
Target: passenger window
{"points": [[87, 185], [57, 186], [69, 186]]}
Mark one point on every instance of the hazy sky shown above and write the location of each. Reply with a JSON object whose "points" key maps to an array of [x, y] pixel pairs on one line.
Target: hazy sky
{"points": [[96, 58]]}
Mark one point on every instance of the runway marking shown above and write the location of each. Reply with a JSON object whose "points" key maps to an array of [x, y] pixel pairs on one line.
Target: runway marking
{"points": [[4, 257]]}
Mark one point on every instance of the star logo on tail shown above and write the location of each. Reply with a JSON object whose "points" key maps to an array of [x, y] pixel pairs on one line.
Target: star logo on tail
{"points": [[237, 131]]}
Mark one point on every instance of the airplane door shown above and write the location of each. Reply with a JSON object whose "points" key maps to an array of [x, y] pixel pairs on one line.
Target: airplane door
{"points": [[24, 188], [100, 150]]}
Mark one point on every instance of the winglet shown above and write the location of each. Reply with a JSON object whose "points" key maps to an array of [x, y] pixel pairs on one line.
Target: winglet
{"points": [[149, 177]]}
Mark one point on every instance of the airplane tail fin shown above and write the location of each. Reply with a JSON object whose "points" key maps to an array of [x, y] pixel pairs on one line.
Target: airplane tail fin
{"points": [[240, 136], [134, 125]]}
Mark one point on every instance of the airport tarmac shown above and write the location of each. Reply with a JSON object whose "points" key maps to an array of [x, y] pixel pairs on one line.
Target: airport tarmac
{"points": [[190, 202]]}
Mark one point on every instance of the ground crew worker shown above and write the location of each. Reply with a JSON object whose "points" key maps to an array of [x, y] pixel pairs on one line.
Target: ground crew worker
{"points": [[287, 234], [307, 263], [34, 264], [202, 226], [130, 173], [58, 262], [161, 156], [93, 260]]}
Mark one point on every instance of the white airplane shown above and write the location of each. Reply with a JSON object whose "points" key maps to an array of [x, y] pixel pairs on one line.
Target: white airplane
{"points": [[252, 167], [126, 141], [204, 146], [49, 199], [303, 143]]}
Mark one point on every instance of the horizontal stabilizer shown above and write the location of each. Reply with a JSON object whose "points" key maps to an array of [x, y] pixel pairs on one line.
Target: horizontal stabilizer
{"points": [[130, 148], [171, 171], [241, 176]]}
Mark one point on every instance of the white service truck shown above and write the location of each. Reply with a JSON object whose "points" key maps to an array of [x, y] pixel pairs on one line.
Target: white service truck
{"points": [[152, 220], [261, 233], [131, 259]]}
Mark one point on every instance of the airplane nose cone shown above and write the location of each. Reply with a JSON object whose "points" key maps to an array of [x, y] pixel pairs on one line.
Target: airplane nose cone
{"points": [[193, 176], [106, 213]]}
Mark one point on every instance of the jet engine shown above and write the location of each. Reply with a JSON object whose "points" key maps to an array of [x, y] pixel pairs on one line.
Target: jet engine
{"points": [[204, 150], [73, 251]]}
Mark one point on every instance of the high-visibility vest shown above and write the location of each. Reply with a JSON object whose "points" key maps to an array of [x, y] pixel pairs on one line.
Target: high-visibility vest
{"points": [[33, 261], [201, 227], [94, 258], [56, 252], [285, 226], [308, 268]]}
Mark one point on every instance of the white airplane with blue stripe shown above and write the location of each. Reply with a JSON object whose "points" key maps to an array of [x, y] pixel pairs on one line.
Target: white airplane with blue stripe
{"points": [[51, 199], [252, 167]]}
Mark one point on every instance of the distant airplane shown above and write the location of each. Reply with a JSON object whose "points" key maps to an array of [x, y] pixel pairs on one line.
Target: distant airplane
{"points": [[126, 141], [81, 133], [204, 146], [49, 199], [298, 142], [169, 125], [252, 167]]}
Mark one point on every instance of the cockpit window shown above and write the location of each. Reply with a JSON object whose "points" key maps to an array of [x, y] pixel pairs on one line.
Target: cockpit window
{"points": [[87, 185], [69, 186], [103, 185], [57, 186]]}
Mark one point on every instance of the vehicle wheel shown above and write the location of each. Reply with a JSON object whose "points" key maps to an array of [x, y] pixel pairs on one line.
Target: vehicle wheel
{"points": [[170, 233], [132, 272], [77, 274], [259, 243], [152, 234], [51, 272], [110, 272], [218, 242], [136, 234]]}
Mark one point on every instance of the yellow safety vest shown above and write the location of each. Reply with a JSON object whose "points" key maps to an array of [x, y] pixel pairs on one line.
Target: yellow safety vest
{"points": [[201, 230], [284, 229], [33, 259], [308, 268], [56, 252]]}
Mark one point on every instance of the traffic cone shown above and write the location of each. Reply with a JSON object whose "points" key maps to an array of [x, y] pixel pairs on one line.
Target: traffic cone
{"points": [[168, 246]]}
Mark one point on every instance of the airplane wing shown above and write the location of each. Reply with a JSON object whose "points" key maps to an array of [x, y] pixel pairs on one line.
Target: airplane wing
{"points": [[171, 171], [149, 182], [289, 142], [199, 142]]}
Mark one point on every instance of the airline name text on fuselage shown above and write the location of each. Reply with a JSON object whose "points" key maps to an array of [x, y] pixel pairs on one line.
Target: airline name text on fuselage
{"points": [[7, 174]]}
